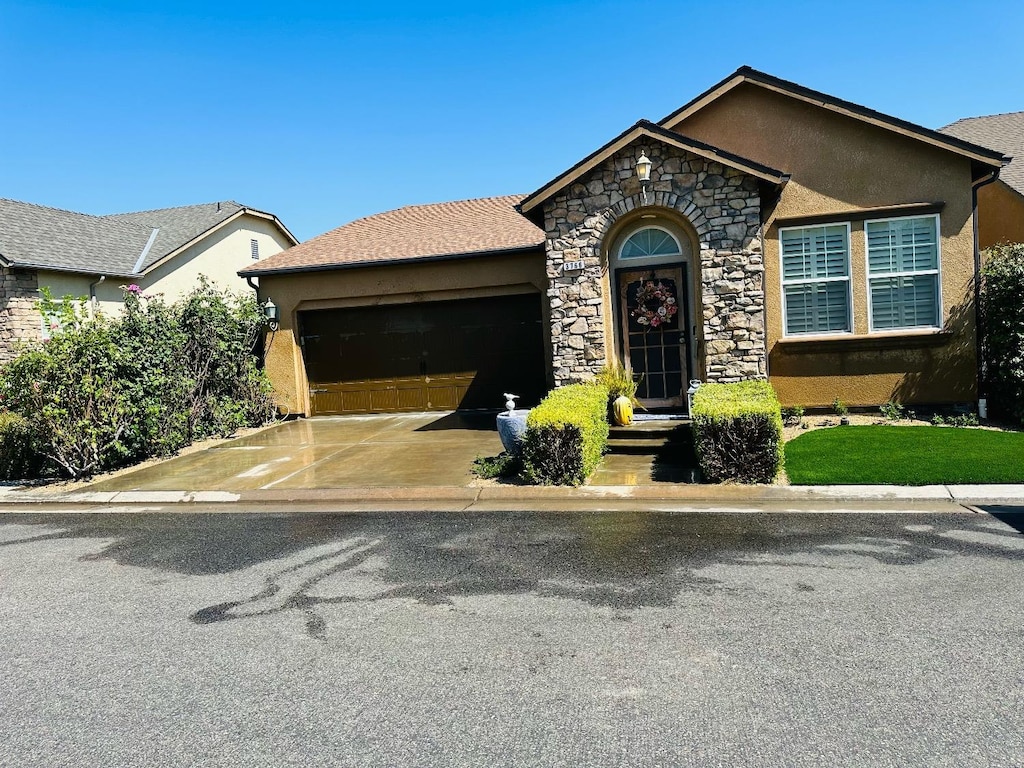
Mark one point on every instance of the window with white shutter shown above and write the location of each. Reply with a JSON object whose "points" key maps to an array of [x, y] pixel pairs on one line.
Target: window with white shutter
{"points": [[816, 279], [903, 273]]}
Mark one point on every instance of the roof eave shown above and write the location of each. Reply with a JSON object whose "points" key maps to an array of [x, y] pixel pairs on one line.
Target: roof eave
{"points": [[747, 74], [257, 272], [530, 206]]}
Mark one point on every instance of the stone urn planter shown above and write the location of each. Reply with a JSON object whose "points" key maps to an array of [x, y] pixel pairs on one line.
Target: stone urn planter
{"points": [[511, 428]]}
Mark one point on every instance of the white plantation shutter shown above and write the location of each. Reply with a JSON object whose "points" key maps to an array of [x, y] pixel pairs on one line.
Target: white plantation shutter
{"points": [[903, 269], [816, 279]]}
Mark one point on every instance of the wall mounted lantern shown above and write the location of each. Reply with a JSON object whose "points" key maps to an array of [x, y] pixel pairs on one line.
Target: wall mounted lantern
{"points": [[643, 172], [271, 315]]}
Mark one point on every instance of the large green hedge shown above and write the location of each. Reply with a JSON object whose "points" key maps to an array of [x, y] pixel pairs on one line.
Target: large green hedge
{"points": [[106, 392], [737, 430], [1002, 321], [566, 435]]}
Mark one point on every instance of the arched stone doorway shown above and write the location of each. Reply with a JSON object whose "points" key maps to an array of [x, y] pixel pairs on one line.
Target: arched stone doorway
{"points": [[650, 276]]}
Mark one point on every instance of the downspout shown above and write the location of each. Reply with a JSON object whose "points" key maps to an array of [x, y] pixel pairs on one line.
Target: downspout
{"points": [[978, 316], [92, 297]]}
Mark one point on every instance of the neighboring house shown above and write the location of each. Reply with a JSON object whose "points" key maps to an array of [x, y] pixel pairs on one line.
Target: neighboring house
{"points": [[782, 233], [1000, 204], [91, 257]]}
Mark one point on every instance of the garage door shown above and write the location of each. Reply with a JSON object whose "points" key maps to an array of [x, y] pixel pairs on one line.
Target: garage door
{"points": [[426, 356]]}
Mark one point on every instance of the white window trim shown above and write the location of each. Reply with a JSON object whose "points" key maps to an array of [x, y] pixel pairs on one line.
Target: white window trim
{"points": [[937, 271], [637, 259], [805, 281]]}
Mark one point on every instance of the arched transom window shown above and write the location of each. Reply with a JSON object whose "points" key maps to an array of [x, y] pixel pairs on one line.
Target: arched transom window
{"points": [[650, 241]]}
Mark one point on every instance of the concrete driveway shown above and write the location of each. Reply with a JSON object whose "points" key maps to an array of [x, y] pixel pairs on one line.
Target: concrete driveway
{"points": [[399, 450]]}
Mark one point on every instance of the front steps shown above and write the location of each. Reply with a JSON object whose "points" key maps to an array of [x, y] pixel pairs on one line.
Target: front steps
{"points": [[648, 452]]}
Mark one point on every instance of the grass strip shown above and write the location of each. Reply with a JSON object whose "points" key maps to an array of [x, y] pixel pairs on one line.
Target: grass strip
{"points": [[885, 455]]}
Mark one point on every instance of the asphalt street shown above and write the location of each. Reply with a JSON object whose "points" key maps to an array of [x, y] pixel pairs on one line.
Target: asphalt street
{"points": [[512, 639]]}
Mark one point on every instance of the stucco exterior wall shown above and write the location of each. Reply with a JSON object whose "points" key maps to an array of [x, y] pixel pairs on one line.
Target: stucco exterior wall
{"points": [[840, 167], [1000, 214], [395, 284], [219, 256]]}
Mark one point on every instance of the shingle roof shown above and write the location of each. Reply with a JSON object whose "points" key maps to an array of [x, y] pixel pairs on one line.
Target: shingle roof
{"points": [[458, 228], [1004, 133], [178, 225], [119, 245]]}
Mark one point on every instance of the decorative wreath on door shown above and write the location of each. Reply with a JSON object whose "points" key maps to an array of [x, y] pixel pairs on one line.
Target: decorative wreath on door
{"points": [[655, 304]]}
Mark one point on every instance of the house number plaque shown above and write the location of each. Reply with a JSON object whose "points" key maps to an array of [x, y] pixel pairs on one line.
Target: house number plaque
{"points": [[573, 266]]}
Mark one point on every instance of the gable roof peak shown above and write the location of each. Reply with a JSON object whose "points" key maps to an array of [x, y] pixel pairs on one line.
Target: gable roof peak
{"points": [[979, 155]]}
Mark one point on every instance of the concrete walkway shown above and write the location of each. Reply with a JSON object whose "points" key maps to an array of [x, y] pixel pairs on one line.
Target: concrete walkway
{"points": [[422, 462]]}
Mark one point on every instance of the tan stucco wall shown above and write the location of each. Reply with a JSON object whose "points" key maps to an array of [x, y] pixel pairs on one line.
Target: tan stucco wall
{"points": [[1000, 215], [219, 256], [395, 284], [840, 166]]}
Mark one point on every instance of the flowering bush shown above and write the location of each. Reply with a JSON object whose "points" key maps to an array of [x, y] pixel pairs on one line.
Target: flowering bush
{"points": [[101, 393]]}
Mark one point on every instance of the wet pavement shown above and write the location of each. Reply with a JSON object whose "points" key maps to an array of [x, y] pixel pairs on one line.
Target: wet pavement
{"points": [[399, 450], [420, 450], [612, 639]]}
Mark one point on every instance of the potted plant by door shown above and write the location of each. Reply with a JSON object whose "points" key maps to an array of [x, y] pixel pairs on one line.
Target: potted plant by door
{"points": [[621, 386]]}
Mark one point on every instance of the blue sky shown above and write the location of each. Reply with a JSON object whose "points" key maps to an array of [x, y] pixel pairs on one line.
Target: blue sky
{"points": [[322, 113]]}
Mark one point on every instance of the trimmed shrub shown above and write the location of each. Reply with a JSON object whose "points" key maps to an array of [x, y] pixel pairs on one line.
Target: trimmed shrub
{"points": [[566, 435], [1002, 322], [19, 458], [737, 431]]}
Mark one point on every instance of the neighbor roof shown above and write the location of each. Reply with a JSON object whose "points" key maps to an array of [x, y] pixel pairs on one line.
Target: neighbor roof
{"points": [[979, 154], [439, 230], [1004, 133], [121, 245]]}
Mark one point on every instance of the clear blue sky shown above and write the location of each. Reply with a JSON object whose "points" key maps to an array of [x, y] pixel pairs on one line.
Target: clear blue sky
{"points": [[322, 113]]}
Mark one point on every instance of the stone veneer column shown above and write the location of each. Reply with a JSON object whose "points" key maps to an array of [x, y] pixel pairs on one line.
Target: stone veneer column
{"points": [[723, 206], [19, 317]]}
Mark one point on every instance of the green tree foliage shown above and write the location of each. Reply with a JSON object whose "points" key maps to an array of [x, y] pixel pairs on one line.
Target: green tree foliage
{"points": [[102, 393], [1002, 319]]}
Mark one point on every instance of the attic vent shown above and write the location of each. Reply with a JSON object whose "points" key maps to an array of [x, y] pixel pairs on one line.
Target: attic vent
{"points": [[254, 246]]}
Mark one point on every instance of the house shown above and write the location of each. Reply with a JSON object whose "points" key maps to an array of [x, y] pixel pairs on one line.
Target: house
{"points": [[1001, 203], [761, 230], [85, 256]]}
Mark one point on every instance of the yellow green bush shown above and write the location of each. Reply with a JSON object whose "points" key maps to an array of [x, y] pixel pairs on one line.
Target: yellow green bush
{"points": [[737, 431], [566, 435]]}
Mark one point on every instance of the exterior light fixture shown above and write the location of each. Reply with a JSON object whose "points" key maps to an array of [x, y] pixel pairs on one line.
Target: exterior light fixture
{"points": [[643, 172], [271, 314]]}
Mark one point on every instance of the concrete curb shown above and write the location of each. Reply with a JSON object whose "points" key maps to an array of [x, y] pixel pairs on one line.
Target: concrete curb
{"points": [[463, 497]]}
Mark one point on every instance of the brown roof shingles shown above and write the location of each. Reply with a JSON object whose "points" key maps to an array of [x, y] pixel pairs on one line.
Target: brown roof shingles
{"points": [[1001, 132], [458, 228]]}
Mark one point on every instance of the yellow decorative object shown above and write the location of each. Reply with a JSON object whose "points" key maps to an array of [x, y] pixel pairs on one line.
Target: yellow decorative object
{"points": [[622, 410]]}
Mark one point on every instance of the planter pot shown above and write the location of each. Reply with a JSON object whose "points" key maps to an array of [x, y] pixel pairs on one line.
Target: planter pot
{"points": [[844, 421], [511, 428], [622, 411]]}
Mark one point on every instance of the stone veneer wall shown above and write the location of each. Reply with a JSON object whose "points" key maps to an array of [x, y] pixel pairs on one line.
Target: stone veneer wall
{"points": [[723, 206], [19, 318]]}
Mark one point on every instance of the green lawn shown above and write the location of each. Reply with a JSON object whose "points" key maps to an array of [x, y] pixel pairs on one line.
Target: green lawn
{"points": [[905, 456]]}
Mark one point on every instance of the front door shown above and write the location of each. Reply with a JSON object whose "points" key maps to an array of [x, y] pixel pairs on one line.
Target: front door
{"points": [[653, 317]]}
